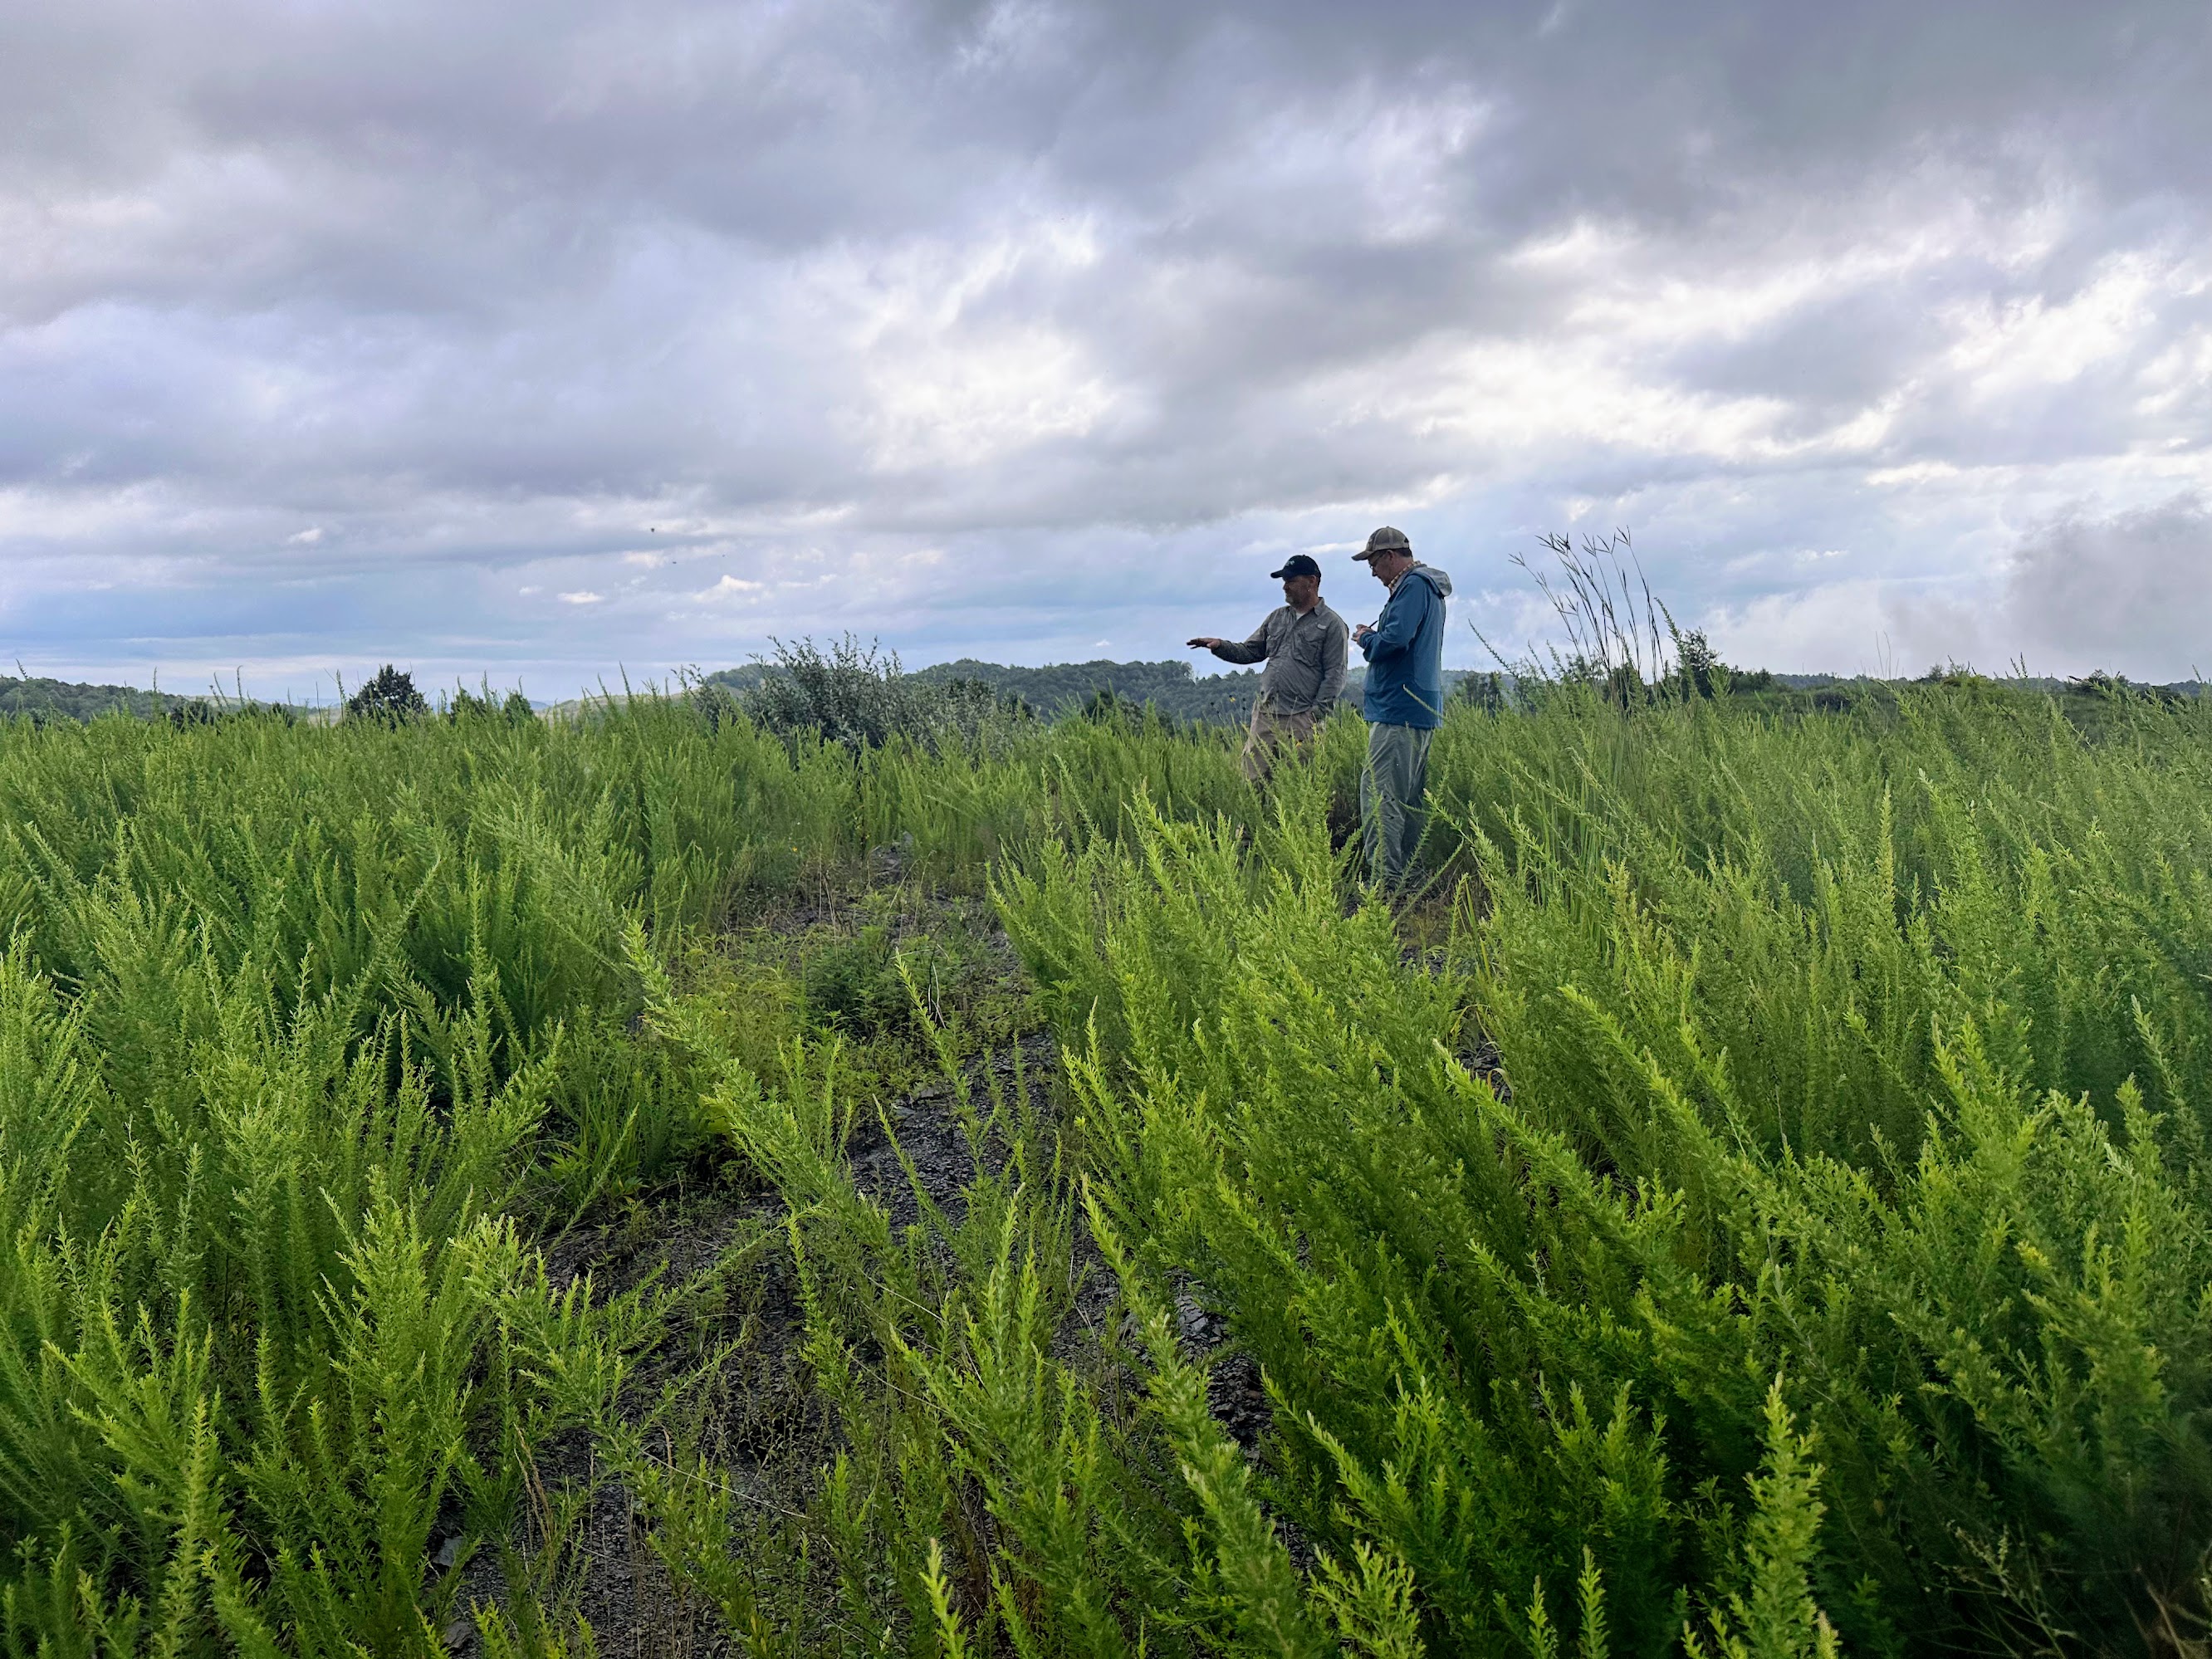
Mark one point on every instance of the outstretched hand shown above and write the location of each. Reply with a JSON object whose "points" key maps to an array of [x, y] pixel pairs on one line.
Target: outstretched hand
{"points": [[1204, 641]]}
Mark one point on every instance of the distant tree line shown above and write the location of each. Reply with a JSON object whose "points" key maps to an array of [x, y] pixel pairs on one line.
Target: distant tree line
{"points": [[388, 696], [39, 699], [391, 697], [861, 694], [1054, 691], [1051, 692]]}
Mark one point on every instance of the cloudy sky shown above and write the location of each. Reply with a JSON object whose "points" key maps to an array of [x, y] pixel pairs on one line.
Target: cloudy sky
{"points": [[544, 340]]}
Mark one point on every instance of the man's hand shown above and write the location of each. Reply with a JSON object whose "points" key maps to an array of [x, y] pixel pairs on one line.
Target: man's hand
{"points": [[1203, 642], [1363, 630]]}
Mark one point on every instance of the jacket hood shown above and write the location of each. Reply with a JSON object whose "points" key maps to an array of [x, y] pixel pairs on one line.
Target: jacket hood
{"points": [[1437, 579]]}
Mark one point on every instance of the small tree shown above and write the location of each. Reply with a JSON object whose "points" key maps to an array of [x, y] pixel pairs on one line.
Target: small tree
{"points": [[1485, 691], [859, 695], [485, 704], [1700, 671], [1102, 707], [388, 696]]}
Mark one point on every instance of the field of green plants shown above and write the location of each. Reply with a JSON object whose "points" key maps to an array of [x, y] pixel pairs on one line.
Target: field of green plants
{"points": [[647, 1184]]}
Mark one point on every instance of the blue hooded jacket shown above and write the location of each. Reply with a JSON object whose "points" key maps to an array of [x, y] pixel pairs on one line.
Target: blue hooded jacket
{"points": [[1406, 652]]}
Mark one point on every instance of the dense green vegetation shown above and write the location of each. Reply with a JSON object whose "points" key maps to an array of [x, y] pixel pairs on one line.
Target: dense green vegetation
{"points": [[1756, 1200], [38, 698], [1058, 690]]}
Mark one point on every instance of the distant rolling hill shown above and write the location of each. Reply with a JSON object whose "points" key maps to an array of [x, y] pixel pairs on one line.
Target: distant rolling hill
{"points": [[1059, 689], [46, 699]]}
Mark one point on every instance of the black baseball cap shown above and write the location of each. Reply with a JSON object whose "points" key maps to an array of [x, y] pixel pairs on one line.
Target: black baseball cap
{"points": [[1298, 564]]}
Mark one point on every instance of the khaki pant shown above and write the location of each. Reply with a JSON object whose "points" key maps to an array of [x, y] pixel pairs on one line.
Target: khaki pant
{"points": [[1391, 787], [1272, 728]]}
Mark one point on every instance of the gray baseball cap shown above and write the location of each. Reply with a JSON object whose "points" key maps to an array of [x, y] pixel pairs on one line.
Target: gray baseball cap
{"points": [[1385, 540]]}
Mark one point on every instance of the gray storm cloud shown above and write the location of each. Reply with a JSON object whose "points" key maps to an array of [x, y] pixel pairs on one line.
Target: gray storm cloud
{"points": [[2086, 591], [1006, 328]]}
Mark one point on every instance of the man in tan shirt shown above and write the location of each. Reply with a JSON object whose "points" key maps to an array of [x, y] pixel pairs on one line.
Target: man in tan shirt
{"points": [[1302, 643]]}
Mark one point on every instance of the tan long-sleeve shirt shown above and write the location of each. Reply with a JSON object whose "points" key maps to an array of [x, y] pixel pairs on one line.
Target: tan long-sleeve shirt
{"points": [[1304, 657]]}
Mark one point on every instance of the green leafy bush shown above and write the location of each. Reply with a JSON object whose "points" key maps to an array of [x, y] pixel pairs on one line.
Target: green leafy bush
{"points": [[858, 696], [388, 696], [1858, 1055], [467, 705], [854, 983]]}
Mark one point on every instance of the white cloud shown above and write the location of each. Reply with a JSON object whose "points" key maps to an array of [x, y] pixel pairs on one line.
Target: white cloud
{"points": [[1885, 629], [2082, 590], [2131, 589], [1094, 305], [732, 588], [1916, 472]]}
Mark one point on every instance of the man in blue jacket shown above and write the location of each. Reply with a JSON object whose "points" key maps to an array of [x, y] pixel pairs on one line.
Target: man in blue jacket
{"points": [[1404, 705]]}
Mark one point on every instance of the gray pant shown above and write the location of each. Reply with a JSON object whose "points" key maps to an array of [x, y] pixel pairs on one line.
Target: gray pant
{"points": [[1391, 787]]}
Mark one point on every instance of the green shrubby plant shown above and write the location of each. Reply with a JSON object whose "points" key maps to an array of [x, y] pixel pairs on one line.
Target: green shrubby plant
{"points": [[1763, 1213], [858, 696], [271, 1081], [389, 695], [268, 1078], [249, 1320], [1836, 1052], [485, 704]]}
